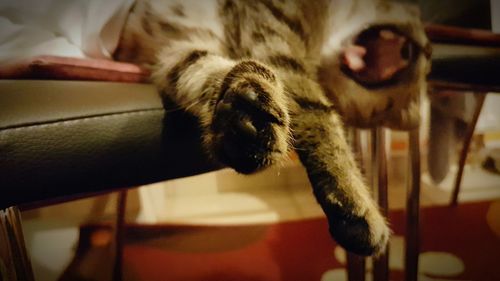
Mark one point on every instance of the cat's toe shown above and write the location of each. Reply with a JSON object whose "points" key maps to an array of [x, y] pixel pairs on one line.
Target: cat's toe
{"points": [[250, 125], [366, 235]]}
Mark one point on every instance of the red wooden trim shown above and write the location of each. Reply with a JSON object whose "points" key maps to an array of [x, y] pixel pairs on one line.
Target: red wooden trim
{"points": [[456, 35], [65, 68], [465, 148], [412, 237], [121, 210], [379, 157]]}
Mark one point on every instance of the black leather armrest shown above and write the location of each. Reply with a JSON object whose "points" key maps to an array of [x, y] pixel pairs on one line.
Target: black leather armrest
{"points": [[467, 67], [481, 71], [65, 138]]}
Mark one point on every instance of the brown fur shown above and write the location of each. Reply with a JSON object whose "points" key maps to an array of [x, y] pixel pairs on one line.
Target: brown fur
{"points": [[264, 83]]}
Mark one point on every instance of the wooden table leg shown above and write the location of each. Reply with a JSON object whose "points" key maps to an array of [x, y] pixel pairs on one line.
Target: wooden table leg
{"points": [[413, 208], [465, 148], [355, 267], [379, 180], [15, 264]]}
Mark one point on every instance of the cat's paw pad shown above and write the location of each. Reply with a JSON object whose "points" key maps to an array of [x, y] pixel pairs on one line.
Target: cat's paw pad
{"points": [[366, 235], [251, 122]]}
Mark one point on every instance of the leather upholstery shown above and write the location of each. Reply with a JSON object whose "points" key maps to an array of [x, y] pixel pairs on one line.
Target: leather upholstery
{"points": [[468, 70], [472, 65], [62, 138]]}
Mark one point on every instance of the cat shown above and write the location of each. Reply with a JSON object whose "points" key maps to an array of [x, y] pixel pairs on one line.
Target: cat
{"points": [[267, 76]]}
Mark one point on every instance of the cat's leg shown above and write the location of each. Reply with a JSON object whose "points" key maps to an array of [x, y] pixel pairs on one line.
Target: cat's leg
{"points": [[240, 104], [354, 219]]}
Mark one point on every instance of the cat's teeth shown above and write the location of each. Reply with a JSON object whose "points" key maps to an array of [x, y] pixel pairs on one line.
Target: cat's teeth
{"points": [[387, 34]]}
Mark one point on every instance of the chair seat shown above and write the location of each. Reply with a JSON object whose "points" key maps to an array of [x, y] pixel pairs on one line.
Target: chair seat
{"points": [[67, 138]]}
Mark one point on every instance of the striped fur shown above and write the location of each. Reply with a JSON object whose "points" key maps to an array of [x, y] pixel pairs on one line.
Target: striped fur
{"points": [[263, 77]]}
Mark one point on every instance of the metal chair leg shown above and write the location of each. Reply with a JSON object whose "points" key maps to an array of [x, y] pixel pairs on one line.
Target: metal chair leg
{"points": [[119, 235], [14, 260], [465, 148], [379, 181], [413, 208]]}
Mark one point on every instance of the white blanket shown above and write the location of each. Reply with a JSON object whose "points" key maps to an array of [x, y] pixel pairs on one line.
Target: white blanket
{"points": [[75, 28]]}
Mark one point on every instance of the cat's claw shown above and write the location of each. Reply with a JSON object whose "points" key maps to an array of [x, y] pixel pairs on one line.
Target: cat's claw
{"points": [[250, 127]]}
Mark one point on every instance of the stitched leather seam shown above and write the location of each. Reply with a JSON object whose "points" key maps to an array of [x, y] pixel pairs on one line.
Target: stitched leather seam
{"points": [[78, 120]]}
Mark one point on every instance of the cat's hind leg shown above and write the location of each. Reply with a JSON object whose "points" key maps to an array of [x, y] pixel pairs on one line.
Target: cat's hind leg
{"points": [[353, 216]]}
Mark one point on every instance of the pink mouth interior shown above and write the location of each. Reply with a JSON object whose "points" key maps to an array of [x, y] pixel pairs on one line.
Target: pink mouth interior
{"points": [[377, 56]]}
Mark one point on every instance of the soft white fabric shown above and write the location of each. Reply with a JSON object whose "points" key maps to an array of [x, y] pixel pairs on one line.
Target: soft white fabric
{"points": [[75, 28]]}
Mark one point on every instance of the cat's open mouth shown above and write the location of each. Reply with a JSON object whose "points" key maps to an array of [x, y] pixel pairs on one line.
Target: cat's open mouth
{"points": [[378, 56]]}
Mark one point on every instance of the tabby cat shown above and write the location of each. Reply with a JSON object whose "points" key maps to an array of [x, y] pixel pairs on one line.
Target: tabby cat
{"points": [[266, 76]]}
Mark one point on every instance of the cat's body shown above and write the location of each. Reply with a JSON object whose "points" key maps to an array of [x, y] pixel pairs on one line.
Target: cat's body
{"points": [[250, 71]]}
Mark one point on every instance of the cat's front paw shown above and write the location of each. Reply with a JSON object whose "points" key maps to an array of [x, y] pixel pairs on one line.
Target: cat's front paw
{"points": [[251, 124], [364, 235]]}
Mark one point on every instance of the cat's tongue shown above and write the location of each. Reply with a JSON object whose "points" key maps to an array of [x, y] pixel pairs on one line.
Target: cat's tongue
{"points": [[353, 57], [377, 58]]}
